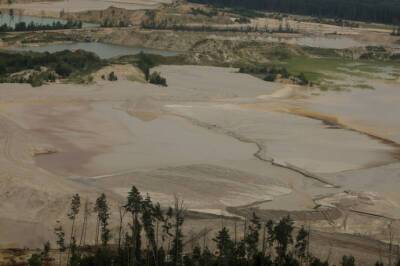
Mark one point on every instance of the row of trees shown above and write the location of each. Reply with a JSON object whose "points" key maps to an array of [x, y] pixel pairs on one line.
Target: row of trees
{"points": [[149, 235], [32, 26], [36, 78], [386, 11], [62, 64], [38, 68], [164, 25], [107, 23], [395, 32]]}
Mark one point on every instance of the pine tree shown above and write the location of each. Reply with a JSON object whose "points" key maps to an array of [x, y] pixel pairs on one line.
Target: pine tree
{"points": [[271, 235], [348, 261], [166, 228], [103, 216], [283, 237], [73, 213], [134, 206], [74, 260], [148, 220], [60, 234], [177, 245], [159, 216], [301, 244], [225, 246], [252, 236]]}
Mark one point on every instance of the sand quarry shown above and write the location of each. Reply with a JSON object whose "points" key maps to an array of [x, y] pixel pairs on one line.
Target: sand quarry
{"points": [[54, 7], [227, 143]]}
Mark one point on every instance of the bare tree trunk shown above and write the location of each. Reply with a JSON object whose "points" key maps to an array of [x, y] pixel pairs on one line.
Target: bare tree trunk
{"points": [[70, 240], [235, 233], [121, 218], [84, 224], [97, 232], [176, 242], [308, 243], [133, 240], [59, 259], [398, 252], [263, 240], [157, 229], [390, 244], [245, 228]]}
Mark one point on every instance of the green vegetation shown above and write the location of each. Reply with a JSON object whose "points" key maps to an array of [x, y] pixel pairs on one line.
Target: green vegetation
{"points": [[243, 20], [248, 13], [164, 25], [22, 26], [112, 76], [145, 62], [37, 68], [271, 73], [114, 24], [157, 79], [204, 12], [395, 32], [40, 37], [385, 11], [314, 69], [148, 234], [336, 21]]}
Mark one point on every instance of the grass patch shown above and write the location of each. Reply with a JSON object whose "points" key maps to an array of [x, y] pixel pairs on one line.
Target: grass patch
{"points": [[315, 69]]}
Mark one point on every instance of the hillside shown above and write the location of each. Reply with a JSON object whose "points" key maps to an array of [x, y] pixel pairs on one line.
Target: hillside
{"points": [[386, 11]]}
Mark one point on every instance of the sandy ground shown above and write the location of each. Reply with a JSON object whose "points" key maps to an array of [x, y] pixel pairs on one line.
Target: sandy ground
{"points": [[225, 142], [53, 8]]}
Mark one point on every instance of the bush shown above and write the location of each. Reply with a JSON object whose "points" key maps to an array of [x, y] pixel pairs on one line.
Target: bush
{"points": [[302, 79], [63, 69], [144, 63], [156, 78], [348, 261], [270, 77], [112, 77], [35, 260]]}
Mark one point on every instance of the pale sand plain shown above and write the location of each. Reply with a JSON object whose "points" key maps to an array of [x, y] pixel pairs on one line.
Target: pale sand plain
{"points": [[216, 138]]}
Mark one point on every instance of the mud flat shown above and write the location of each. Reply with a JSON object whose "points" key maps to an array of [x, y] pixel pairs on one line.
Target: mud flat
{"points": [[373, 111], [101, 139], [221, 140]]}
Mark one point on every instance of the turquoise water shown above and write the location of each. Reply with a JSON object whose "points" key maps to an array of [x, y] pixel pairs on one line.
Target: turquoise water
{"points": [[103, 50]]}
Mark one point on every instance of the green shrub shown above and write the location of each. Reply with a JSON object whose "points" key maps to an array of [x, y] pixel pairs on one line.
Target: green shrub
{"points": [[156, 78], [270, 77], [112, 77], [35, 260], [302, 79], [64, 63], [63, 70], [144, 63]]}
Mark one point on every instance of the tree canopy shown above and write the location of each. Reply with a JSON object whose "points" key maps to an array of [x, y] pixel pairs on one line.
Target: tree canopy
{"points": [[385, 11]]}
